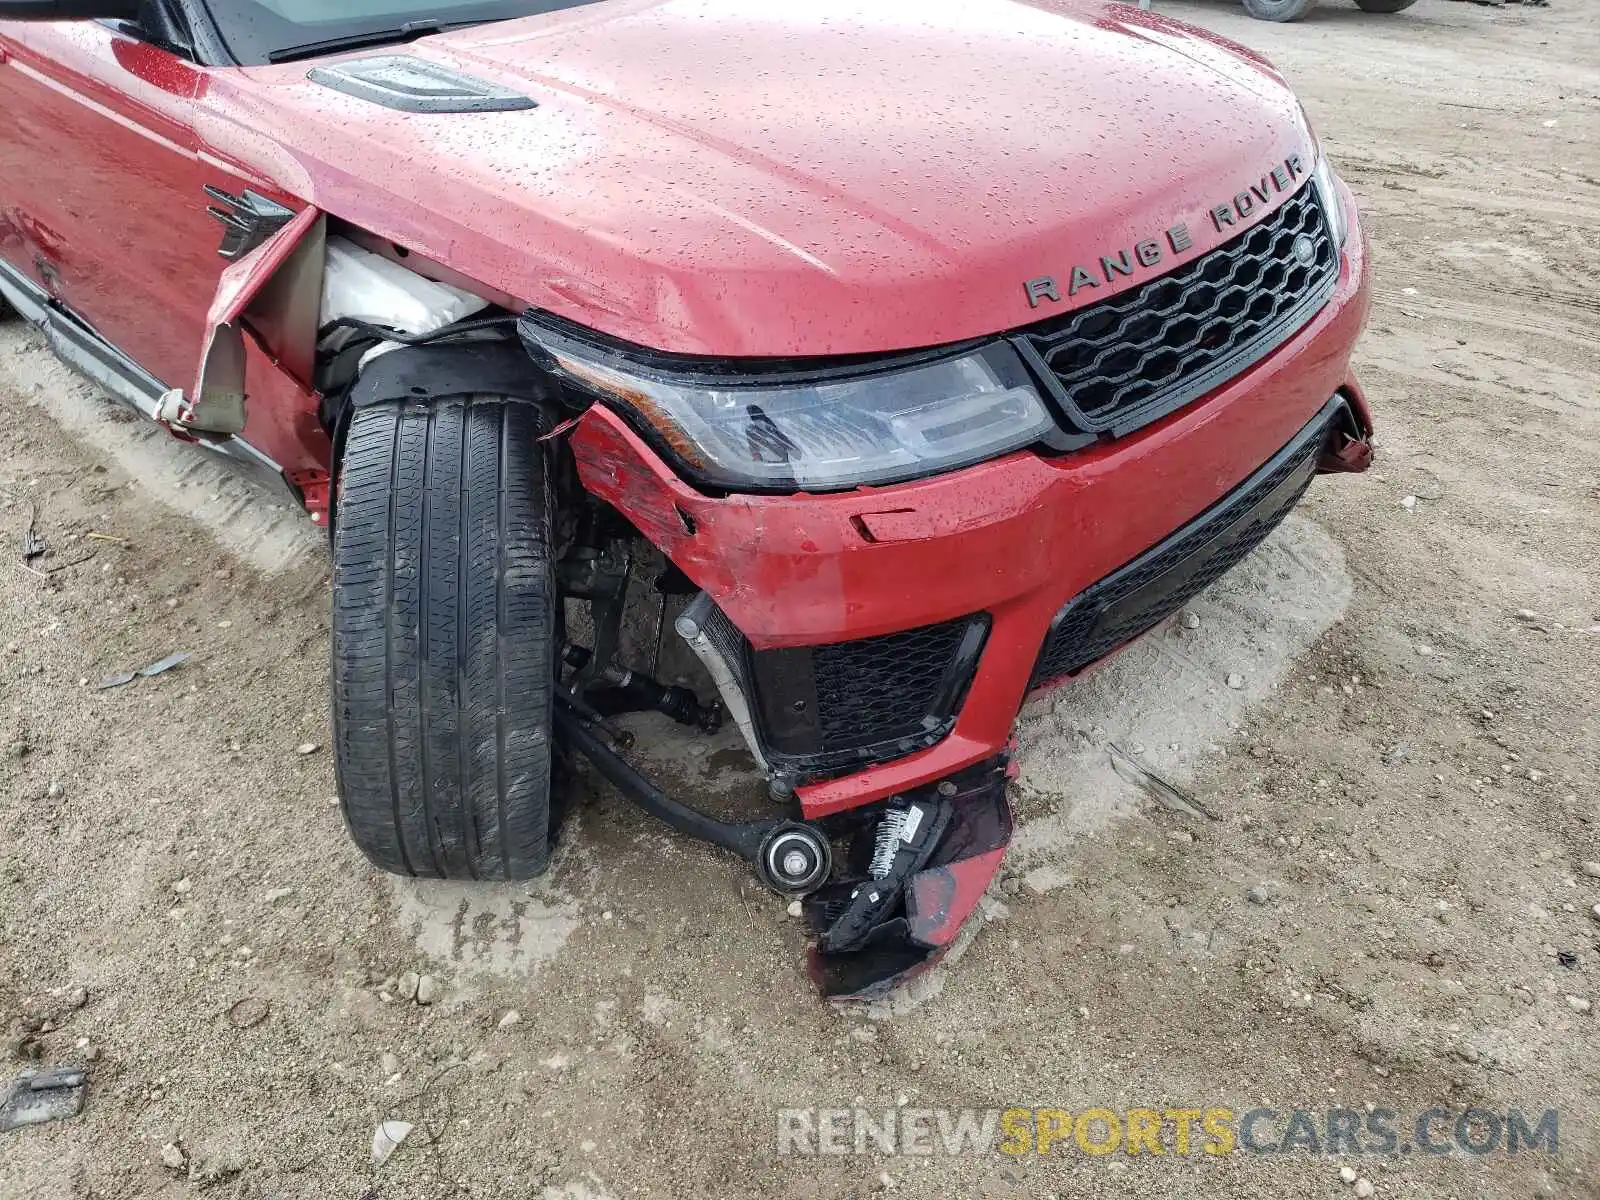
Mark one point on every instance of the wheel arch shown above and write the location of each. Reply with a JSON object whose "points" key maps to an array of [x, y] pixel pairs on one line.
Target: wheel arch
{"points": [[259, 366], [435, 373]]}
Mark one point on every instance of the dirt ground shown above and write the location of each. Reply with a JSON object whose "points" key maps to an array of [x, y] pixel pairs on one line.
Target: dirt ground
{"points": [[1391, 910]]}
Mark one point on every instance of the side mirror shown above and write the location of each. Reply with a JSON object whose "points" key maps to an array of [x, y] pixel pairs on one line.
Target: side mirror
{"points": [[69, 10]]}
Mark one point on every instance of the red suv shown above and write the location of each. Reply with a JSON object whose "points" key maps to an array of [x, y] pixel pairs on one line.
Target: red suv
{"points": [[930, 352]]}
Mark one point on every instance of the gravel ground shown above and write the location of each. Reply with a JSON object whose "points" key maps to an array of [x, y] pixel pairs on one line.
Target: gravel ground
{"points": [[1392, 909]]}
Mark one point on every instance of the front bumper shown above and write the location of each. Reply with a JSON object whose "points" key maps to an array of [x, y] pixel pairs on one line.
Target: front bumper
{"points": [[1012, 541]]}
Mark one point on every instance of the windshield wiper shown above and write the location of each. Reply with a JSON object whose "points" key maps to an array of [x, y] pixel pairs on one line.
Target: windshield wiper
{"points": [[409, 32]]}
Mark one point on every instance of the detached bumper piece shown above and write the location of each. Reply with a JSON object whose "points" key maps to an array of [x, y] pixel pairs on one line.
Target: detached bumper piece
{"points": [[914, 874], [915, 869]]}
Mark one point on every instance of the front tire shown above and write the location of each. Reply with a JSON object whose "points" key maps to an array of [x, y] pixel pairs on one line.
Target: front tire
{"points": [[1278, 10], [444, 621]]}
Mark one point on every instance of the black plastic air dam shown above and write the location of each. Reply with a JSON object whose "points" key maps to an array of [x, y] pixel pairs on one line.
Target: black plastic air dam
{"points": [[1137, 597]]}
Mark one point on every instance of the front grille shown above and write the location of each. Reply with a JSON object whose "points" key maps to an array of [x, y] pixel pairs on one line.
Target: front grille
{"points": [[820, 707], [1162, 580], [1120, 364]]}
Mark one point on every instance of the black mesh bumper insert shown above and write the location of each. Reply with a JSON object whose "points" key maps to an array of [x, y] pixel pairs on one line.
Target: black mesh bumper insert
{"points": [[1121, 364], [820, 708], [1155, 585]]}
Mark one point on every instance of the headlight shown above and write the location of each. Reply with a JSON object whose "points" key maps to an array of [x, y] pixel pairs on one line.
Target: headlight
{"points": [[834, 431], [1328, 192]]}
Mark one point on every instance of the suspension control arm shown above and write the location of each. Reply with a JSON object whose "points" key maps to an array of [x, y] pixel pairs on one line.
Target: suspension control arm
{"points": [[789, 856]]}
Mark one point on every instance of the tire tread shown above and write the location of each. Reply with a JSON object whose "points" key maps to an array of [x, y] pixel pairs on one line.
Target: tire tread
{"points": [[443, 639]]}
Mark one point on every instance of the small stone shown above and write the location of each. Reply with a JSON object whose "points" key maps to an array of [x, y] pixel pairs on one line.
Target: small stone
{"points": [[78, 997], [1364, 1188], [173, 1157], [307, 748], [1595, 912], [1424, 649], [1380, 1071], [386, 1140], [427, 989], [407, 985], [1236, 681], [1409, 503], [389, 1063], [1347, 1174], [510, 1019], [795, 908], [1258, 894], [1592, 870], [56, 790], [182, 886], [248, 1013], [1578, 1004], [276, 894], [1191, 620]]}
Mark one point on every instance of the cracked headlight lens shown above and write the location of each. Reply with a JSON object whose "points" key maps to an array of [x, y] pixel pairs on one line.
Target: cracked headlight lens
{"points": [[840, 430]]}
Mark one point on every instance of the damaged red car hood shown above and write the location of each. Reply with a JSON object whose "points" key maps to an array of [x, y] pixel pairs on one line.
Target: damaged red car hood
{"points": [[735, 177]]}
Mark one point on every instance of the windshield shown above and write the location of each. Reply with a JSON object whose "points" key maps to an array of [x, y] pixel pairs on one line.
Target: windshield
{"points": [[259, 31]]}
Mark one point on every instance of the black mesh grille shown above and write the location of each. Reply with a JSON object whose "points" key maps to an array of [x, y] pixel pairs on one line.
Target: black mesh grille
{"points": [[1155, 585], [1122, 363], [880, 688], [731, 644], [822, 707]]}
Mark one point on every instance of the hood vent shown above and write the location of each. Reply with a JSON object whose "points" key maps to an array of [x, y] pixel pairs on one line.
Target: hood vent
{"points": [[416, 85]]}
